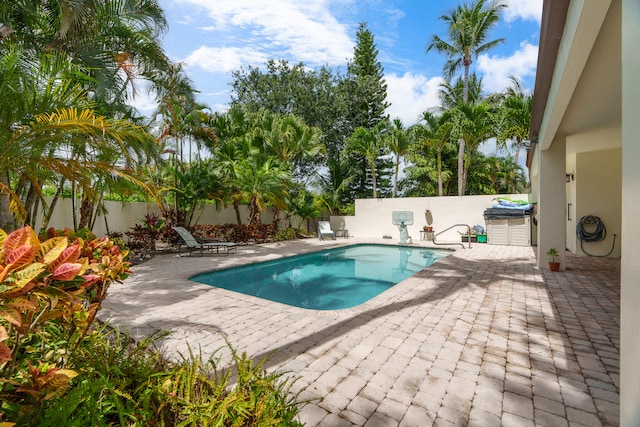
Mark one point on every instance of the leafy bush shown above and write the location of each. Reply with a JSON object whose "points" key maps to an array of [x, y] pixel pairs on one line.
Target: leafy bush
{"points": [[118, 239], [142, 237], [83, 233], [244, 233], [50, 293], [133, 384], [290, 233], [58, 368]]}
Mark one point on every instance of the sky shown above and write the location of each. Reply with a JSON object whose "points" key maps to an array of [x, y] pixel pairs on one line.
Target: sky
{"points": [[214, 37]]}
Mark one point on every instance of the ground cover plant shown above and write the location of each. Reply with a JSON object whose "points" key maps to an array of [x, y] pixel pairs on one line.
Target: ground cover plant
{"points": [[59, 366]]}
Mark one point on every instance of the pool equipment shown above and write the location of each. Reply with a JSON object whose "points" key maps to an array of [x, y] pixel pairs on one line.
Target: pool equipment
{"points": [[402, 219]]}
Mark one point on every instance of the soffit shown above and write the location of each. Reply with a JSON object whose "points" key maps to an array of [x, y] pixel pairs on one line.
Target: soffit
{"points": [[596, 101], [581, 32]]}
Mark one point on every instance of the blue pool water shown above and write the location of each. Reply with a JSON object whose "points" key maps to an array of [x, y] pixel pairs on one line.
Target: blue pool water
{"points": [[328, 280]]}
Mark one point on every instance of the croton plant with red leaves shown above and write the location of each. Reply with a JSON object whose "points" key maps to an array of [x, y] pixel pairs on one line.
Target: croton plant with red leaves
{"points": [[56, 280]]}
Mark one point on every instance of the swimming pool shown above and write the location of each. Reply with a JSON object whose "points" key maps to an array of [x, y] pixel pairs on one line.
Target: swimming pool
{"points": [[327, 280]]}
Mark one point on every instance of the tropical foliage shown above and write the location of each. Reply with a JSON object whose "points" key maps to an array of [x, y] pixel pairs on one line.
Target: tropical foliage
{"points": [[297, 140], [67, 73], [467, 37], [58, 367], [302, 142], [48, 289]]}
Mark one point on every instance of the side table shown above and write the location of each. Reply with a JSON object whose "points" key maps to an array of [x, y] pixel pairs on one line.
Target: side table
{"points": [[426, 235]]}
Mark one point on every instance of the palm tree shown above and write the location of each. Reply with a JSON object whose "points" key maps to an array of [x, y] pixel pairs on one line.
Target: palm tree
{"points": [[399, 144], [93, 48], [234, 130], [468, 31], [451, 95], [505, 172], [115, 41], [180, 118], [302, 204], [435, 132], [58, 134], [260, 180], [515, 118], [371, 145], [334, 184], [472, 123], [289, 138]]}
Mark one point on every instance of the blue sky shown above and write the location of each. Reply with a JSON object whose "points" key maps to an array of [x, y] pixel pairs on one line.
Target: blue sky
{"points": [[212, 38]]}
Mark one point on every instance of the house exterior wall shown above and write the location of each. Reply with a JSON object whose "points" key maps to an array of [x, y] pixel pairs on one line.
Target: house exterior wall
{"points": [[598, 188], [608, 99], [552, 202], [570, 188], [630, 267]]}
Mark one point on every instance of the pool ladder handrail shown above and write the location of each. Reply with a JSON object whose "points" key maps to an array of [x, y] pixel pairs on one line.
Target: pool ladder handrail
{"points": [[454, 243]]}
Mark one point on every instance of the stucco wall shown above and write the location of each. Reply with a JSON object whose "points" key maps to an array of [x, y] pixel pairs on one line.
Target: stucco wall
{"points": [[122, 216], [372, 219], [373, 216], [570, 186], [630, 267], [598, 188]]}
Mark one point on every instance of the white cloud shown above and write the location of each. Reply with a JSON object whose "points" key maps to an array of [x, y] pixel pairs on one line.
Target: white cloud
{"points": [[299, 31], [496, 70], [224, 59], [410, 95], [143, 101], [523, 9]]}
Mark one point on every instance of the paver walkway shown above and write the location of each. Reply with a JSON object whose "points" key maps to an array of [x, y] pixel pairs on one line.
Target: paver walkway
{"points": [[481, 338]]}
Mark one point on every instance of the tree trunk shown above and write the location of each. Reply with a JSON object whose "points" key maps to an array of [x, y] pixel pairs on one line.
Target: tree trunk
{"points": [[254, 211], [29, 203], [74, 215], [236, 207], [106, 225], [99, 208], [515, 159], [461, 175], [34, 211], [86, 211], [7, 222], [48, 212], [395, 178], [373, 178], [440, 187]]}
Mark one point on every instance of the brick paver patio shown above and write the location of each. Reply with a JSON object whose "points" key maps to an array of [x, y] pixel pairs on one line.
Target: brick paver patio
{"points": [[481, 338]]}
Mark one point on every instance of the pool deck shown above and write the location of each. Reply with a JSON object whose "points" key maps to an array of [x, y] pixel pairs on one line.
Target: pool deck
{"points": [[481, 338]]}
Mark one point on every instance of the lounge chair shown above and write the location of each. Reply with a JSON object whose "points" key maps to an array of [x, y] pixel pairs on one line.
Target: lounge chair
{"points": [[324, 229], [192, 244]]}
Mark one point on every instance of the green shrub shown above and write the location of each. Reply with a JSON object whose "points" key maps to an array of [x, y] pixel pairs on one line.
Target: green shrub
{"points": [[133, 384], [58, 368], [290, 233], [142, 236], [50, 293], [239, 233]]}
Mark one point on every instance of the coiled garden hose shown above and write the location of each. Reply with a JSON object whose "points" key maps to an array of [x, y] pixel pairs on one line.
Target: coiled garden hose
{"points": [[597, 232]]}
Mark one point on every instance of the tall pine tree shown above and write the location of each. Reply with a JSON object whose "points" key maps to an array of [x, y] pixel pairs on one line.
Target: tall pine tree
{"points": [[367, 88], [366, 93]]}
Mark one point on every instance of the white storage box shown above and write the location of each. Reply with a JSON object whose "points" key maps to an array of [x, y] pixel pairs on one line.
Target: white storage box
{"points": [[510, 232]]}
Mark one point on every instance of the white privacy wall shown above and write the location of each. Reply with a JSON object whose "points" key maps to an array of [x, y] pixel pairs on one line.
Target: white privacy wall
{"points": [[373, 216]]}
